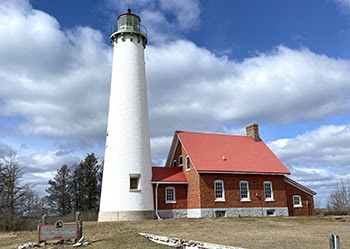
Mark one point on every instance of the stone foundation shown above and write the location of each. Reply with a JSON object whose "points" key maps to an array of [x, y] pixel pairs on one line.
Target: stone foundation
{"points": [[126, 215], [223, 212]]}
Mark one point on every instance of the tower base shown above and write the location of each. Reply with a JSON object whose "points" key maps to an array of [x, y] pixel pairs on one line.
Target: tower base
{"points": [[126, 215]]}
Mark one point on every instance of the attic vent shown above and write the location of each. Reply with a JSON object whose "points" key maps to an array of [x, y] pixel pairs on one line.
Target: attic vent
{"points": [[223, 158]]}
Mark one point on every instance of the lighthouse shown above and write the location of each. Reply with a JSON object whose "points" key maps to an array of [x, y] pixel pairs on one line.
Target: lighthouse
{"points": [[127, 193]]}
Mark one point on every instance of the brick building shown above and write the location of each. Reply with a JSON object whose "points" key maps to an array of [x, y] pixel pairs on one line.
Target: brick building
{"points": [[216, 175]]}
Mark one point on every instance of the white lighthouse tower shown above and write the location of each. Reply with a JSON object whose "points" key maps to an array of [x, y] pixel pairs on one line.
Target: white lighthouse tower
{"points": [[127, 192]]}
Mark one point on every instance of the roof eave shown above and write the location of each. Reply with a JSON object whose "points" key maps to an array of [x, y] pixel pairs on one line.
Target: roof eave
{"points": [[172, 149], [240, 172], [160, 182], [299, 186]]}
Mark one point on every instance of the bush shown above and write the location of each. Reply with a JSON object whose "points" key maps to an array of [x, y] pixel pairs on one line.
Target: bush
{"points": [[12, 222]]}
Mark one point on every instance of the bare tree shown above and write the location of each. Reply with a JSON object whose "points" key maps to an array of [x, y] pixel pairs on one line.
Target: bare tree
{"points": [[12, 190], [339, 200], [33, 205]]}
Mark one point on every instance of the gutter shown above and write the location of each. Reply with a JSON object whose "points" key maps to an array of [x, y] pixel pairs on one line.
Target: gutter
{"points": [[158, 217]]}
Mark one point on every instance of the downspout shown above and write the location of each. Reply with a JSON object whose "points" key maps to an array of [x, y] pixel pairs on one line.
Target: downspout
{"points": [[158, 217]]}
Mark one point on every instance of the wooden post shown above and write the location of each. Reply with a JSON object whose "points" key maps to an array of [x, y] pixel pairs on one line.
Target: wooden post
{"points": [[80, 225], [42, 221], [334, 241]]}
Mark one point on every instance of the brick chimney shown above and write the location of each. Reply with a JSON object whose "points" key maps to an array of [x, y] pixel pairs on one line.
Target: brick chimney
{"points": [[253, 131]]}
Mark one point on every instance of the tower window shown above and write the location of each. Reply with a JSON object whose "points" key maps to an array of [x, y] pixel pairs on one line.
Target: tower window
{"points": [[135, 182], [174, 163]]}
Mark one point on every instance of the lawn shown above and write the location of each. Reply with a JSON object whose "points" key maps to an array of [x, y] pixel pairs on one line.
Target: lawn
{"points": [[250, 233]]}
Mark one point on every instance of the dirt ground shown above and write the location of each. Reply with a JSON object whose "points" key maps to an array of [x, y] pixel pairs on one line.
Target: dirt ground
{"points": [[250, 233]]}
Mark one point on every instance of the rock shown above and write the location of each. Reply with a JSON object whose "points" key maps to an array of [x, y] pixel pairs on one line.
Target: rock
{"points": [[27, 245], [82, 242]]}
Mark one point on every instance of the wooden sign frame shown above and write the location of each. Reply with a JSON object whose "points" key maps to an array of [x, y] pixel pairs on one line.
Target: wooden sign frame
{"points": [[69, 231]]}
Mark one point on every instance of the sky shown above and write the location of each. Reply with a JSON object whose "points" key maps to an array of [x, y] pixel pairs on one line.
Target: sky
{"points": [[211, 66]]}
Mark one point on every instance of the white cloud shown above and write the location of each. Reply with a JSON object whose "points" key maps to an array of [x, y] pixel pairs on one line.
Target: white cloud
{"points": [[318, 159], [192, 89], [325, 146], [343, 5], [62, 88], [46, 162], [57, 80]]}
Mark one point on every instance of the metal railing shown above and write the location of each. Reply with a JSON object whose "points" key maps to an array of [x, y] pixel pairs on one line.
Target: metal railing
{"points": [[127, 28]]}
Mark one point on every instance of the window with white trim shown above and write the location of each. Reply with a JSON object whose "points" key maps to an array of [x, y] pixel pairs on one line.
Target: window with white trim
{"points": [[174, 163], [170, 195], [297, 201], [219, 190], [188, 163], [244, 187], [180, 161], [268, 191]]}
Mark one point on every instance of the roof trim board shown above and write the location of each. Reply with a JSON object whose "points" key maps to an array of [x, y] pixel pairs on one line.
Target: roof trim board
{"points": [[299, 186], [239, 173], [178, 138], [171, 152], [154, 182]]}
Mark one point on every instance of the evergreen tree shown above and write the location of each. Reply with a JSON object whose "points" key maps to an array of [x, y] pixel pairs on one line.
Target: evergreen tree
{"points": [[88, 174], [59, 198], [76, 199]]}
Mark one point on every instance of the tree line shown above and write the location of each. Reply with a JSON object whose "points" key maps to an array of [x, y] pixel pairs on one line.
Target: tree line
{"points": [[77, 187], [74, 188]]}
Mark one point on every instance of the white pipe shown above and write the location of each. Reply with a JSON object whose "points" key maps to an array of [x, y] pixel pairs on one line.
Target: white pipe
{"points": [[158, 217]]}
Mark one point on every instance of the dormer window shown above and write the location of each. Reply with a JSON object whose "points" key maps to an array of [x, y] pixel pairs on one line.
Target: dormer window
{"points": [[188, 163], [180, 161]]}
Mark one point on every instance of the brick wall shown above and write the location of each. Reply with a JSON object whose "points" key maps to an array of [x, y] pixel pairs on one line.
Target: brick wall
{"points": [[193, 191], [307, 201], [199, 193], [232, 191], [180, 196]]}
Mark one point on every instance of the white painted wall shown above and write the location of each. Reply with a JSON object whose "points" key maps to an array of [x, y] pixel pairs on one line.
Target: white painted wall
{"points": [[128, 142]]}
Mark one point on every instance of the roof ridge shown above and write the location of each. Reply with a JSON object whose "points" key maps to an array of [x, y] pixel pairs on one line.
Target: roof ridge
{"points": [[210, 133]]}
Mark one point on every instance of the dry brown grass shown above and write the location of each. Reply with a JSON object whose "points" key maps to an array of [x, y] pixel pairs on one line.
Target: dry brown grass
{"points": [[251, 233]]}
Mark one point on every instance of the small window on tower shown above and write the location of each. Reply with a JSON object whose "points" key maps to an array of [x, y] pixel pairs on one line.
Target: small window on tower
{"points": [[134, 182], [174, 163]]}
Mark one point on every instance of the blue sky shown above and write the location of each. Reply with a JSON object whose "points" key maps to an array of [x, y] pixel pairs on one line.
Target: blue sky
{"points": [[211, 66]]}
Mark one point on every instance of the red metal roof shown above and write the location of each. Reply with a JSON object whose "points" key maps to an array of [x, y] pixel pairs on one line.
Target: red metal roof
{"points": [[241, 153], [167, 174]]}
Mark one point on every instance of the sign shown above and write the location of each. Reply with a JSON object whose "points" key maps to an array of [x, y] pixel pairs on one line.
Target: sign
{"points": [[58, 231]]}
